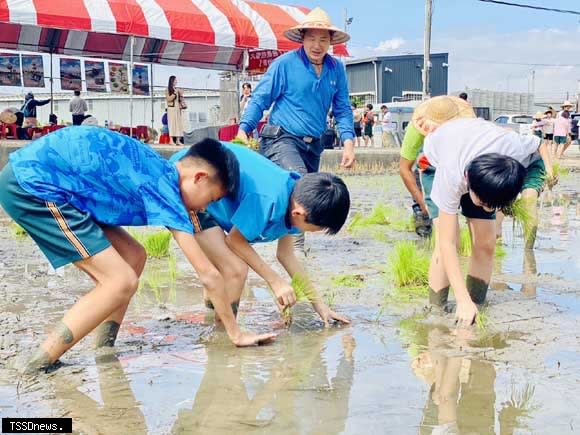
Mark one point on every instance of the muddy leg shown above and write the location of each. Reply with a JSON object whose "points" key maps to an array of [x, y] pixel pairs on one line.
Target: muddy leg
{"points": [[134, 254], [232, 268], [438, 282], [116, 284], [483, 233]]}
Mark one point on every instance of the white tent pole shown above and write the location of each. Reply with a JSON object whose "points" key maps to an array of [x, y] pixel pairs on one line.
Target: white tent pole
{"points": [[130, 80], [152, 99]]}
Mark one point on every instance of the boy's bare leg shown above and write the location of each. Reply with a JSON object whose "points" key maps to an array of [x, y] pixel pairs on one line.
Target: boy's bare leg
{"points": [[116, 284], [438, 282], [233, 269], [483, 236], [134, 254]]}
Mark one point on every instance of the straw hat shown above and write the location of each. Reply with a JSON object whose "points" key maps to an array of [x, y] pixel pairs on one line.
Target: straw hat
{"points": [[567, 104], [432, 113], [7, 117], [539, 115], [317, 19]]}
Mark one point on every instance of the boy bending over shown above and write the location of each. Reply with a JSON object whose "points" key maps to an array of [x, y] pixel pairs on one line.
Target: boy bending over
{"points": [[73, 189], [479, 168], [271, 204]]}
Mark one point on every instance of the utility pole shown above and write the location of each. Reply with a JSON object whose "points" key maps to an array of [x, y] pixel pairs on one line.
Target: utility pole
{"points": [[427, 47]]}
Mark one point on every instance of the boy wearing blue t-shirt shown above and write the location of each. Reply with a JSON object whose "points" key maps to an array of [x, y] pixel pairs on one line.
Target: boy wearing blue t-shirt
{"points": [[73, 189], [271, 204]]}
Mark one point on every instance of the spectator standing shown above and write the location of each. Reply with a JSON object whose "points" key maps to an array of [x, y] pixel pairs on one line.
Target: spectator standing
{"points": [[175, 103], [561, 131], [548, 131], [369, 121], [388, 127], [357, 118], [78, 107], [28, 109], [301, 86], [245, 97]]}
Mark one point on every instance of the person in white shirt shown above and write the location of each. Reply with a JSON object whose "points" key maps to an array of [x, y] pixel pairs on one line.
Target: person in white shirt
{"points": [[388, 127], [480, 168], [78, 107]]}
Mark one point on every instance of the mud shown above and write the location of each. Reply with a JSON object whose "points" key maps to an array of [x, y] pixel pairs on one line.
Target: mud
{"points": [[397, 369]]}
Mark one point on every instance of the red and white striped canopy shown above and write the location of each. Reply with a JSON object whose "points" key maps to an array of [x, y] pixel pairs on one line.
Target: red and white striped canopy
{"points": [[200, 33]]}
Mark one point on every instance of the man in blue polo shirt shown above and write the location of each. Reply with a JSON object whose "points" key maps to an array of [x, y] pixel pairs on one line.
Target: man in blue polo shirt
{"points": [[301, 87], [271, 204]]}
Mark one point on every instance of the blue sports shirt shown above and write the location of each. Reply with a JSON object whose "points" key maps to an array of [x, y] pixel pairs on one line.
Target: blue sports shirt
{"points": [[260, 208], [118, 180], [301, 99]]}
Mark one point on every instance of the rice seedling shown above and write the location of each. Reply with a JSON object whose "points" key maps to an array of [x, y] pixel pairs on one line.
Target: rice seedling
{"points": [[304, 292], [520, 212], [500, 251], [559, 170], [404, 225], [330, 297], [409, 267], [482, 320], [156, 244], [17, 231], [251, 143], [352, 281], [465, 247]]}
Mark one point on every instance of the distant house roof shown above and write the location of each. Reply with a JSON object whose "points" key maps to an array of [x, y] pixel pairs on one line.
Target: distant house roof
{"points": [[398, 57]]}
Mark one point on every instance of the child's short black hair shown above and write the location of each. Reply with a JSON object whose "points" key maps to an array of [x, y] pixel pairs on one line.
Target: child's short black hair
{"points": [[496, 179], [222, 159], [325, 198], [463, 96]]}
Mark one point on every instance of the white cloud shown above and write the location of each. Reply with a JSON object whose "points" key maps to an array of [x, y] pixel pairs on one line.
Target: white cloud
{"points": [[388, 45]]}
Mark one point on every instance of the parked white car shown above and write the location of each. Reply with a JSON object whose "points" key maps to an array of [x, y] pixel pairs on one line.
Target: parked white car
{"points": [[519, 123]]}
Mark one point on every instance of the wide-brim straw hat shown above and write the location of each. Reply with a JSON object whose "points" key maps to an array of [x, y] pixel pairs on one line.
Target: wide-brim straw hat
{"points": [[438, 110], [317, 19], [8, 117], [567, 104], [539, 115]]}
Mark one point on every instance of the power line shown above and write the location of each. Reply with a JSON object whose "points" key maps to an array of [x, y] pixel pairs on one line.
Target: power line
{"points": [[525, 6]]}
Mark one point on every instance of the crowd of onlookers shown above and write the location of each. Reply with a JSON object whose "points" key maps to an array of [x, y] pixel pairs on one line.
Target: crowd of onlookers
{"points": [[556, 128]]}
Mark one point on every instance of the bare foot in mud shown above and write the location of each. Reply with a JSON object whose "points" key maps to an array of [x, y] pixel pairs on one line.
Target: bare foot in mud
{"points": [[39, 363]]}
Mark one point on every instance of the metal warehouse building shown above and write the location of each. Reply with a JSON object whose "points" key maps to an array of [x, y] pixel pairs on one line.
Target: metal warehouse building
{"points": [[389, 78]]}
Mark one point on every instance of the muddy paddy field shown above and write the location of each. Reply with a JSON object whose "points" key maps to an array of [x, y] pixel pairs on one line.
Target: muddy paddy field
{"points": [[397, 369]]}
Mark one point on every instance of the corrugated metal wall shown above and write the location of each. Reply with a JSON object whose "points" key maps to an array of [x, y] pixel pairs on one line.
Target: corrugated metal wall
{"points": [[361, 78], [405, 76]]}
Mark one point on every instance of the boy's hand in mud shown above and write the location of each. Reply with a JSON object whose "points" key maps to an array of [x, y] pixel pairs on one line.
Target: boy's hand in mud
{"points": [[285, 296], [465, 313], [246, 339], [327, 315]]}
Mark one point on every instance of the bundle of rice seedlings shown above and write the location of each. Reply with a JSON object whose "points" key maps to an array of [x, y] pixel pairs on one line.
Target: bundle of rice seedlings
{"points": [[519, 211], [304, 293], [409, 266], [404, 225], [352, 281], [559, 170], [465, 247], [251, 143], [482, 320]]}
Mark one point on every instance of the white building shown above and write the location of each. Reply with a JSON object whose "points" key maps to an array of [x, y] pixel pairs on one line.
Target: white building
{"points": [[203, 108]]}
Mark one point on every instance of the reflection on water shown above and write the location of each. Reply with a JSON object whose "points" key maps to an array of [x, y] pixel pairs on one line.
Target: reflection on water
{"points": [[461, 390]]}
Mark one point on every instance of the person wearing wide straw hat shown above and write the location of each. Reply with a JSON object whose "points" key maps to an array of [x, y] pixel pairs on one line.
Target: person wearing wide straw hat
{"points": [[479, 168], [538, 124], [441, 109], [301, 86]]}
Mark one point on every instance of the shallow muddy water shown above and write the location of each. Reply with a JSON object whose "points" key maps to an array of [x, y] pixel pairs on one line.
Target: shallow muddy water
{"points": [[396, 369]]}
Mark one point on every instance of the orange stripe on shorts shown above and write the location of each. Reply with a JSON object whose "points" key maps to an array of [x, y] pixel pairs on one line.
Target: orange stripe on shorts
{"points": [[195, 222], [68, 233]]}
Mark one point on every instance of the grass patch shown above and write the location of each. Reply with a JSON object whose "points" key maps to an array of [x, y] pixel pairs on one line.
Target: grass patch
{"points": [[409, 267], [352, 281], [382, 215], [156, 244], [17, 231]]}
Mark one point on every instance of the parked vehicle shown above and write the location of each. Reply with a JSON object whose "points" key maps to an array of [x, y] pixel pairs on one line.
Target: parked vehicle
{"points": [[575, 118], [519, 123]]}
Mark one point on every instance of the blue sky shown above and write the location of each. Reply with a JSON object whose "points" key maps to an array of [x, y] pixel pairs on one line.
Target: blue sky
{"points": [[479, 38]]}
